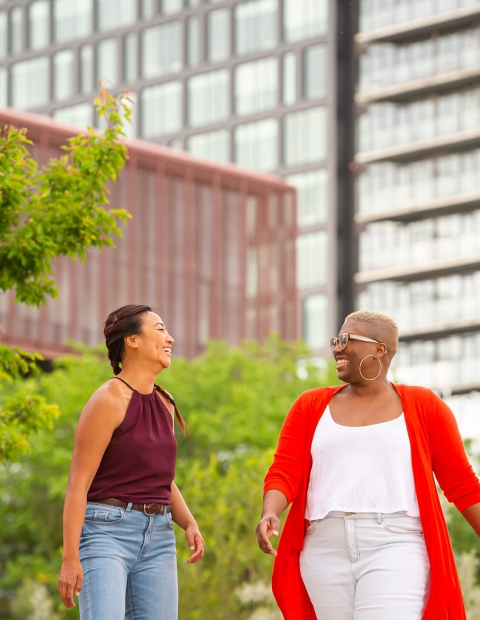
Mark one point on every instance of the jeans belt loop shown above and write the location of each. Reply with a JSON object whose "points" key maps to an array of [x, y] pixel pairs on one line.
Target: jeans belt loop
{"points": [[129, 507]]}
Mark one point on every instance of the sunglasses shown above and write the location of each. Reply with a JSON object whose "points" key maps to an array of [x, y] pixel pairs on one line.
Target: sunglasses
{"points": [[342, 341]]}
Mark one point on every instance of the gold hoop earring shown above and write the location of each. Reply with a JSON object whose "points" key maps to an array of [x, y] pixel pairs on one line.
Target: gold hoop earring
{"points": [[360, 368]]}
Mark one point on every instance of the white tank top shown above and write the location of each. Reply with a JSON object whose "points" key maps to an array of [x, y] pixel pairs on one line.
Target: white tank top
{"points": [[361, 469]]}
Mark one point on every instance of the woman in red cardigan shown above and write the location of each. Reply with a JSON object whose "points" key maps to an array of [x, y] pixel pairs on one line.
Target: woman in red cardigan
{"points": [[366, 538]]}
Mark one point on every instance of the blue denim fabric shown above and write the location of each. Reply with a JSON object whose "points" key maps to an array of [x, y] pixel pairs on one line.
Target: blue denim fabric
{"points": [[130, 565]]}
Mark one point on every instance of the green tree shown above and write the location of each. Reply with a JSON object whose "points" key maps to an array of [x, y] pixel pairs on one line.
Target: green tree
{"points": [[234, 401], [58, 210]]}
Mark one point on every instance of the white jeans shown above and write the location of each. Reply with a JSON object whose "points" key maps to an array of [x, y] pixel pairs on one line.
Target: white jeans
{"points": [[366, 566]]}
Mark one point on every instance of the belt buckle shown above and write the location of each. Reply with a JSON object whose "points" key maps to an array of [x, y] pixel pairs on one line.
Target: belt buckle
{"points": [[149, 514]]}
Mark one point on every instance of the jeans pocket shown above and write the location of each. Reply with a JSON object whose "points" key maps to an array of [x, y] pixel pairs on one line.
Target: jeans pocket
{"points": [[402, 525], [104, 517]]}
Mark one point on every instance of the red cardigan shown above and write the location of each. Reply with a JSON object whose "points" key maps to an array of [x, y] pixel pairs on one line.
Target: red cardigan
{"points": [[437, 448]]}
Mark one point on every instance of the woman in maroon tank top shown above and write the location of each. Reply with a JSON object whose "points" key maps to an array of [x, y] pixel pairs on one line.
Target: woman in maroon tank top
{"points": [[119, 553]]}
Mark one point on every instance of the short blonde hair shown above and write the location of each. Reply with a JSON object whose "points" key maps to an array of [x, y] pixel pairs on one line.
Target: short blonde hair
{"points": [[385, 328]]}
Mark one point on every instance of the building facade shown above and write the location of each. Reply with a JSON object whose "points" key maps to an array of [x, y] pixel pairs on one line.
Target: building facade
{"points": [[209, 246], [246, 81], [418, 188]]}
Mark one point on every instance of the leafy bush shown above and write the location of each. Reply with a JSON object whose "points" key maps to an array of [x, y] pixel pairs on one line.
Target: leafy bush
{"points": [[234, 401]]}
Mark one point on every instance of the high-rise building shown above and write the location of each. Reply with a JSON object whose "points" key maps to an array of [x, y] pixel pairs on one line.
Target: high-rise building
{"points": [[418, 187], [248, 81], [210, 247]]}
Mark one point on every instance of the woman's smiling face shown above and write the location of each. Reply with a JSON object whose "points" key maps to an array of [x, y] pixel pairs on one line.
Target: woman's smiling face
{"points": [[154, 341], [348, 360]]}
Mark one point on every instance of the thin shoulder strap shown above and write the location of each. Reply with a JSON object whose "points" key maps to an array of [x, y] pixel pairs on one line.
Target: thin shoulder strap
{"points": [[127, 384]]}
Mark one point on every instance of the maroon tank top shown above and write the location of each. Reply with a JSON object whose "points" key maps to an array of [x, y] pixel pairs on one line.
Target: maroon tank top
{"points": [[139, 463]]}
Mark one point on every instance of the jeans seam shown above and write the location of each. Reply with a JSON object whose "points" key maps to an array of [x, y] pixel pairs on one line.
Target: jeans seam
{"points": [[89, 603], [351, 540], [146, 546], [356, 539], [130, 597]]}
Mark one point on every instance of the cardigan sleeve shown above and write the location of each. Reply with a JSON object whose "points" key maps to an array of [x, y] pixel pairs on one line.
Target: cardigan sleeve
{"points": [[450, 463], [285, 473]]}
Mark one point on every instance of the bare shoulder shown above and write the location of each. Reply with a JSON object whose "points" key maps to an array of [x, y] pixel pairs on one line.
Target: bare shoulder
{"points": [[107, 405]]}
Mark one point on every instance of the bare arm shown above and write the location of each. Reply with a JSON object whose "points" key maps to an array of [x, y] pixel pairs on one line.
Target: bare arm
{"points": [[101, 415], [184, 518], [472, 515], [274, 503], [181, 514]]}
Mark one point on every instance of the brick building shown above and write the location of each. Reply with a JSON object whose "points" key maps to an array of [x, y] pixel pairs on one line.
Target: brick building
{"points": [[210, 246]]}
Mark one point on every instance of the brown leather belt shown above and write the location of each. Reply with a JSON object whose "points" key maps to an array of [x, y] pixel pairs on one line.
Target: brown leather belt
{"points": [[148, 509]]}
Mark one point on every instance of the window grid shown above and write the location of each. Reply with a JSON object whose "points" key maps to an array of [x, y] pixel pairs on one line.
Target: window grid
{"points": [[88, 39]]}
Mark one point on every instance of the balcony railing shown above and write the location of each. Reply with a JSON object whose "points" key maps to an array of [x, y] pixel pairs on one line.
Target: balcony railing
{"points": [[414, 29], [439, 330], [460, 203], [423, 148], [416, 89], [435, 269]]}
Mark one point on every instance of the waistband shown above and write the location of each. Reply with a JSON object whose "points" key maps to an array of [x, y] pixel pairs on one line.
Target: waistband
{"points": [[149, 509], [338, 514]]}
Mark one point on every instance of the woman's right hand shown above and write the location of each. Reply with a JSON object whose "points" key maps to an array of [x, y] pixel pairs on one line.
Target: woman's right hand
{"points": [[268, 526], [70, 581]]}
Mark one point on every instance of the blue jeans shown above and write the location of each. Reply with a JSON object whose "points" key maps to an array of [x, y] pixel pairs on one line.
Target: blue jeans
{"points": [[129, 564]]}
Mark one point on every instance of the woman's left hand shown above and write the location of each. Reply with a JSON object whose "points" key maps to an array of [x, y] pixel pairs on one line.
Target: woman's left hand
{"points": [[196, 544]]}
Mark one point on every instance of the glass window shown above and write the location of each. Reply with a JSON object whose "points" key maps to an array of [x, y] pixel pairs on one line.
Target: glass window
{"points": [[63, 75], [193, 3], [315, 321], [3, 87], [208, 98], [289, 78], [176, 144], [193, 41], [312, 196], [80, 115], [316, 71], [17, 30], [218, 35], [256, 145], [162, 49], [303, 19], [86, 69], [3, 34], [312, 260], [256, 86], [211, 145], [72, 19], [30, 83], [148, 8], [116, 13], [255, 26], [130, 51], [305, 136], [171, 6], [162, 109], [39, 15], [107, 62]]}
